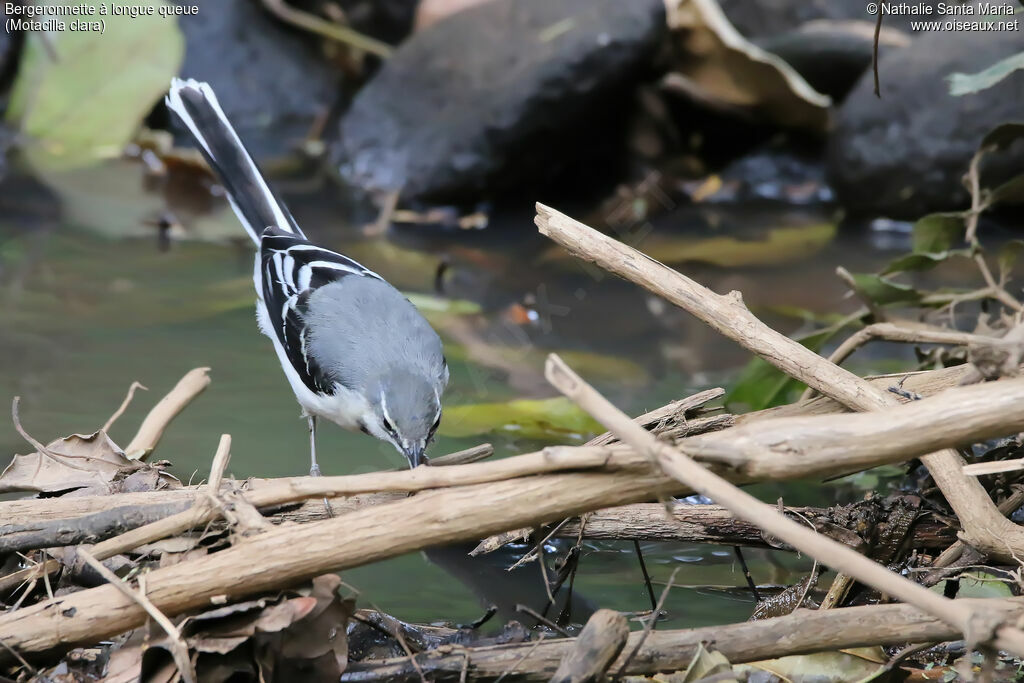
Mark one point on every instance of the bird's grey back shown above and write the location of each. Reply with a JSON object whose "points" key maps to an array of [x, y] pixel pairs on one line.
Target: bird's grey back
{"points": [[360, 327]]}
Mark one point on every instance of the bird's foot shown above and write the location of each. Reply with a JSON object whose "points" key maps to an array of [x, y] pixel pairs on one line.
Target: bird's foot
{"points": [[314, 471]]}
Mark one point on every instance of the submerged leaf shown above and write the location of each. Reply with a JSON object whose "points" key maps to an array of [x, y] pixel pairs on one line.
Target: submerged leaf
{"points": [[778, 245], [86, 104], [839, 666], [551, 418]]}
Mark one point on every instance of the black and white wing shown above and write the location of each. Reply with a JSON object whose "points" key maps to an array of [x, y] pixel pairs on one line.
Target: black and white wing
{"points": [[291, 269], [252, 198]]}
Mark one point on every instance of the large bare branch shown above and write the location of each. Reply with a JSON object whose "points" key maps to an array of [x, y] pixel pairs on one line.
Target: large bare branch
{"points": [[984, 527]]}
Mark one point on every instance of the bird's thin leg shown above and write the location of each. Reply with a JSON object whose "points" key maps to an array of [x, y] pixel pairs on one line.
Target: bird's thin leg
{"points": [[314, 469]]}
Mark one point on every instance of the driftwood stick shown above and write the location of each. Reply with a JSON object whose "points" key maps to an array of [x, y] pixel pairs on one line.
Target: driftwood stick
{"points": [[152, 429], [984, 527], [843, 559], [594, 650], [805, 631], [715, 525], [675, 411], [765, 449]]}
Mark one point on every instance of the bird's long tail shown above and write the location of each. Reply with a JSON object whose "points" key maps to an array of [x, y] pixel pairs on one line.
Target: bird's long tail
{"points": [[254, 202]]}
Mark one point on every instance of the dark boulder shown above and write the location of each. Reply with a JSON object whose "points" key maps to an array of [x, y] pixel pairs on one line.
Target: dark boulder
{"points": [[271, 81], [904, 155], [495, 95]]}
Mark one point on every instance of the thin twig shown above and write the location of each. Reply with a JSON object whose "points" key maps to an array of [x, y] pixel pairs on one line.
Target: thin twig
{"points": [[643, 570], [314, 24], [541, 619], [649, 626], [179, 650], [220, 463], [746, 573], [874, 51], [124, 406]]}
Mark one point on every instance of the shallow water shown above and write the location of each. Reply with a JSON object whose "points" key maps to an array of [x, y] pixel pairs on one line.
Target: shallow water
{"points": [[89, 302]]}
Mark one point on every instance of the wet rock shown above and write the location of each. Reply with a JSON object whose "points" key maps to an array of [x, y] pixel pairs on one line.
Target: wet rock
{"points": [[270, 80], [495, 95], [904, 155]]}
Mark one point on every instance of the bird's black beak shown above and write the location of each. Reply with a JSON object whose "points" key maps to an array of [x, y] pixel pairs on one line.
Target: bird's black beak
{"points": [[415, 456]]}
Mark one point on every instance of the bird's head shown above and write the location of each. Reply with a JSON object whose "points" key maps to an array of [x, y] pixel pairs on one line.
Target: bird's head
{"points": [[405, 411]]}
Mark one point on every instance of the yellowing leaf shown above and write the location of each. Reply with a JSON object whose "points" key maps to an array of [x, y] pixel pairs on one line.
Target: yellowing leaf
{"points": [[86, 104]]}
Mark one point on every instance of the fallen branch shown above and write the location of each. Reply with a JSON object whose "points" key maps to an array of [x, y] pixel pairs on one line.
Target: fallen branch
{"points": [[983, 526], [713, 524], [152, 429], [803, 632]]}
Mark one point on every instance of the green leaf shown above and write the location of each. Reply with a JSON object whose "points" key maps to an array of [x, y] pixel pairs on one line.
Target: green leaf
{"points": [[882, 291], [1010, 192], [966, 84], [547, 419], [915, 262], [938, 232], [1003, 135], [86, 104], [1008, 255], [933, 239], [762, 385]]}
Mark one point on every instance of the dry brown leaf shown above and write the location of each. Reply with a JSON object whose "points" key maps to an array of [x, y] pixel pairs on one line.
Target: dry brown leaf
{"points": [[73, 462], [717, 66]]}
